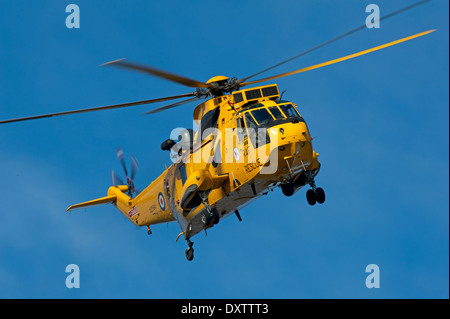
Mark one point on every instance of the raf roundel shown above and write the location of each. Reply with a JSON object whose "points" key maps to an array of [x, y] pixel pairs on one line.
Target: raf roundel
{"points": [[161, 201]]}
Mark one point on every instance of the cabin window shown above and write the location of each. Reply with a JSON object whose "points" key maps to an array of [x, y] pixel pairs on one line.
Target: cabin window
{"points": [[209, 120], [183, 173]]}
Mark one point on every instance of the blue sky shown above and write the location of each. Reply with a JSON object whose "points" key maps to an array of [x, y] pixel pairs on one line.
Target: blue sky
{"points": [[380, 124]]}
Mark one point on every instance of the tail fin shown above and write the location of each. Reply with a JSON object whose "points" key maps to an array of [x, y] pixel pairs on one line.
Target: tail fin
{"points": [[98, 201]]}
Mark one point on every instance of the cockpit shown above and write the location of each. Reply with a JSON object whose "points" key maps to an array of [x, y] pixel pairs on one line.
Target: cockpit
{"points": [[263, 116]]}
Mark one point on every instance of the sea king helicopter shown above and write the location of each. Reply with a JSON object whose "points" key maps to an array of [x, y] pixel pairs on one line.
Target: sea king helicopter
{"points": [[249, 142]]}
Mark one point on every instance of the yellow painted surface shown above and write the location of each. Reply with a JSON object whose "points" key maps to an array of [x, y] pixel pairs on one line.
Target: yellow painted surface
{"points": [[234, 179]]}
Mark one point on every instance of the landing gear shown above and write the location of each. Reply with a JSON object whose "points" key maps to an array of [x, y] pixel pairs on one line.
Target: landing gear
{"points": [[288, 189], [320, 195], [190, 251], [315, 194], [311, 197], [210, 215], [205, 218], [215, 217]]}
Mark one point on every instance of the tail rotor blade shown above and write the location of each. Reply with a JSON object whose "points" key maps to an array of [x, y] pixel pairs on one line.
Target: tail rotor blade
{"points": [[116, 180], [134, 167], [121, 158]]}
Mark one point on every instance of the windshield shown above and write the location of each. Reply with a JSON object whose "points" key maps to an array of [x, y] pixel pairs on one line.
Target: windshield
{"points": [[262, 116], [289, 110], [276, 112]]}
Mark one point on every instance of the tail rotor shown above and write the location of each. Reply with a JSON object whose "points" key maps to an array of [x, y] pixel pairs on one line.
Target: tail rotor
{"points": [[117, 180]]}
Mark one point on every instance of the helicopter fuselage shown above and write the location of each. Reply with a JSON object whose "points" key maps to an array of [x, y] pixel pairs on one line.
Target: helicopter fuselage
{"points": [[247, 144]]}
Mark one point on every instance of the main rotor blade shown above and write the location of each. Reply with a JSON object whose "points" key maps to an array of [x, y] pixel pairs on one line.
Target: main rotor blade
{"points": [[336, 38], [100, 108], [166, 107], [351, 56], [157, 72]]}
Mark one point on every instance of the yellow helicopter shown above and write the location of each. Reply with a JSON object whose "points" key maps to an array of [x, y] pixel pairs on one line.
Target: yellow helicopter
{"points": [[248, 142]]}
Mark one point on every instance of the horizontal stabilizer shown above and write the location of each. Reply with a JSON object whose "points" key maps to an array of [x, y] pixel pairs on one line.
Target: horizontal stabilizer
{"points": [[98, 201]]}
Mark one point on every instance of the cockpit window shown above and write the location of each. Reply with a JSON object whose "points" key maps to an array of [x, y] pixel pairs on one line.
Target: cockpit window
{"points": [[276, 112], [241, 131], [257, 133], [250, 120], [289, 110], [262, 116], [259, 116]]}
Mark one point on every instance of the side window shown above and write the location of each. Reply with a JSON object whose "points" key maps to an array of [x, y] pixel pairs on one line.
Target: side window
{"points": [[250, 121], [209, 120]]}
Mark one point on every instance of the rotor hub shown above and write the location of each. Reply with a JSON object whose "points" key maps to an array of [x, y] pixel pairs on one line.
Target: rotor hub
{"points": [[218, 79]]}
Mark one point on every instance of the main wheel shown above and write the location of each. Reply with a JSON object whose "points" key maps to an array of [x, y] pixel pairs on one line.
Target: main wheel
{"points": [[205, 218], [288, 189], [311, 197], [215, 218], [190, 253], [320, 195]]}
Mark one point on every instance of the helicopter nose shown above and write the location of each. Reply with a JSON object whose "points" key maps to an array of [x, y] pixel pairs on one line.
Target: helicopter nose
{"points": [[294, 150], [291, 133]]}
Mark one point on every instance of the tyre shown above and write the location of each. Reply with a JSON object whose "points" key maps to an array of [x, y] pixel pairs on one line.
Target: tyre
{"points": [[205, 218], [320, 195], [190, 253], [288, 189], [215, 218], [311, 197]]}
